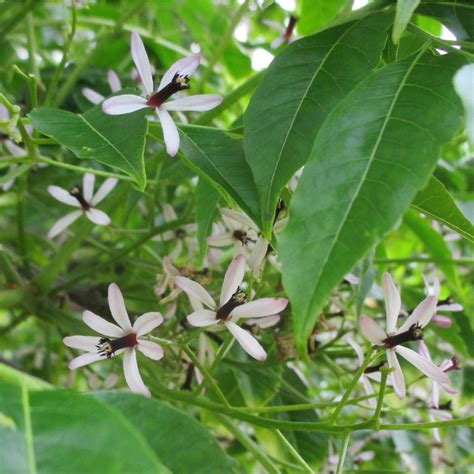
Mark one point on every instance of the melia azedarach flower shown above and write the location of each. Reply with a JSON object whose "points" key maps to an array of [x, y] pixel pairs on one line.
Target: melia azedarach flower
{"points": [[84, 199], [232, 306], [122, 338], [410, 330], [175, 79]]}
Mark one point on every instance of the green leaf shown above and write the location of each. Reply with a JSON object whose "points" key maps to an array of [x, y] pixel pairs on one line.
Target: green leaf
{"points": [[457, 16], [372, 155], [316, 14], [180, 441], [57, 431], [219, 157], [404, 12], [436, 202], [117, 141], [301, 87], [434, 244], [207, 200]]}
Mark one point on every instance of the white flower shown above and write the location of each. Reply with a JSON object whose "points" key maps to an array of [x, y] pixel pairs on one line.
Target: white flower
{"points": [[410, 330], [433, 288], [285, 33], [232, 306], [180, 236], [95, 97], [175, 79], [464, 85], [85, 200], [122, 338]]}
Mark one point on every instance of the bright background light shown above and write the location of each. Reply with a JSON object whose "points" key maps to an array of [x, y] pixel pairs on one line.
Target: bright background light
{"points": [[288, 5], [261, 59], [359, 4]]}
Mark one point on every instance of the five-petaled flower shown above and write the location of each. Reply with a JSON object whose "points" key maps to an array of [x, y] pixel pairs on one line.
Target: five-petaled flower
{"points": [[85, 199], [232, 306], [122, 338], [410, 330], [175, 79]]}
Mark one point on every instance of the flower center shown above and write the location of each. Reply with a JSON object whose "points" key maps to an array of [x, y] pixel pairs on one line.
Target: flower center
{"points": [[237, 299], [178, 83], [180, 233], [414, 333], [290, 27], [77, 193], [241, 235], [107, 347]]}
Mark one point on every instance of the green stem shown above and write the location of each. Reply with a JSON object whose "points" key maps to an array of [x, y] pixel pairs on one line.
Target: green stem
{"points": [[20, 220], [123, 252], [383, 385], [223, 43], [368, 359], [247, 443], [246, 88], [207, 376], [342, 455], [296, 455], [32, 49], [53, 85]]}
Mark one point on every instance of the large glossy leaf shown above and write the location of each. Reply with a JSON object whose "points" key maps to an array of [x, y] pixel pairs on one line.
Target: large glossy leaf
{"points": [[114, 140], [301, 87], [181, 442], [219, 157], [435, 201], [404, 12], [316, 14], [57, 431], [376, 149]]}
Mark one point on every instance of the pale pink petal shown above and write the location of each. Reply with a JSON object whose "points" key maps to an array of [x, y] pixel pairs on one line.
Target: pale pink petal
{"points": [[277, 42], [369, 390], [448, 388], [421, 315], [84, 359], [423, 365], [88, 186], [107, 186], [150, 349], [170, 132], [442, 321], [393, 302], [396, 377], [114, 81], [237, 216], [146, 323], [441, 414], [92, 96], [233, 279], [202, 318], [435, 394], [13, 149], [97, 216], [63, 196], [118, 309], [259, 308], [258, 254], [199, 103], [265, 322], [194, 289], [140, 58], [132, 375], [247, 341], [220, 240], [101, 326], [372, 331], [183, 67], [63, 223], [351, 278], [168, 213], [423, 350], [450, 307], [357, 348], [84, 343], [123, 104], [275, 25]]}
